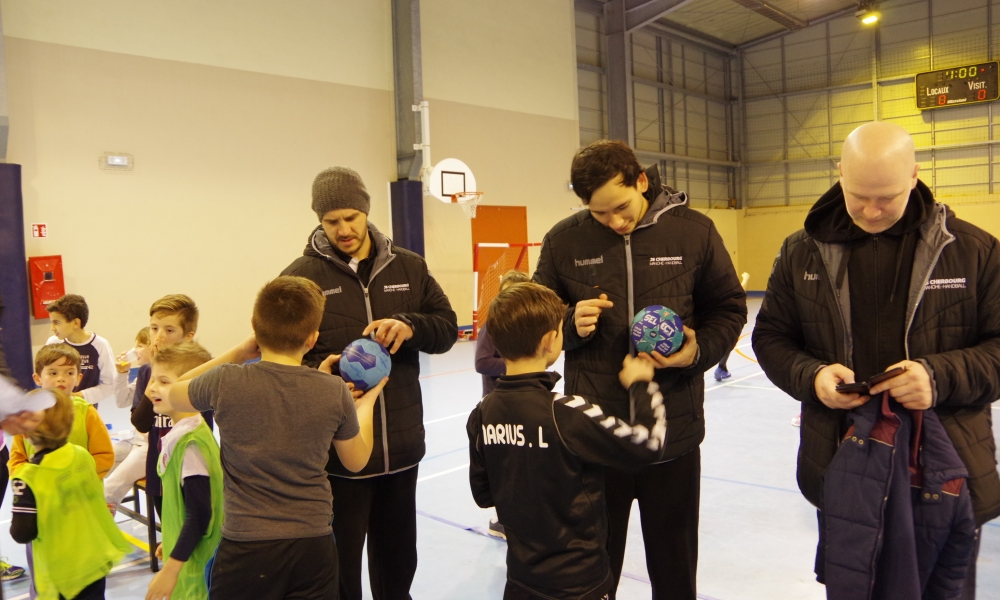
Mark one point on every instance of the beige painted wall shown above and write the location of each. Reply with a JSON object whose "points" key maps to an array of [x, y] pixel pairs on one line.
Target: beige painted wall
{"points": [[219, 199], [515, 55], [336, 41]]}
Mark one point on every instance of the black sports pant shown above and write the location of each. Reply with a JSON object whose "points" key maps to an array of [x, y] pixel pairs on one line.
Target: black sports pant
{"points": [[669, 495], [383, 508], [304, 568], [4, 473], [94, 591], [512, 591]]}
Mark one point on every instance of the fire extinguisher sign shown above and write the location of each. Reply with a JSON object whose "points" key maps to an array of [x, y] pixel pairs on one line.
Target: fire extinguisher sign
{"points": [[39, 230]]}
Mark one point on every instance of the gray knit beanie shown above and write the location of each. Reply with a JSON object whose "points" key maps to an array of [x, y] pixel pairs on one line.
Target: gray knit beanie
{"points": [[339, 188]]}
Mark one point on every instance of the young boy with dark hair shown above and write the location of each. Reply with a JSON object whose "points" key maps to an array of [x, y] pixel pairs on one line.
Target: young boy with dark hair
{"points": [[277, 539], [69, 316], [490, 365], [537, 455], [59, 509], [191, 476], [172, 319]]}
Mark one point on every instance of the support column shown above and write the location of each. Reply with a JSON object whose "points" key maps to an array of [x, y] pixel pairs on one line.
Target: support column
{"points": [[621, 121], [406, 194]]}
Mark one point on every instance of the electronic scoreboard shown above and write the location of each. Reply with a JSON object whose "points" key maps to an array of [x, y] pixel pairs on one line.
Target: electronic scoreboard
{"points": [[957, 86]]}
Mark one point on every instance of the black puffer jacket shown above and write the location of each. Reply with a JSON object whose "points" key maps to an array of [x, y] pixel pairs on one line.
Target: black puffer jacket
{"points": [[400, 287], [675, 257], [952, 326]]}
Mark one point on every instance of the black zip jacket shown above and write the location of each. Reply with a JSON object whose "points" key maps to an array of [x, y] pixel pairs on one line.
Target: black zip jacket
{"points": [[536, 456], [400, 287], [675, 258], [950, 324]]}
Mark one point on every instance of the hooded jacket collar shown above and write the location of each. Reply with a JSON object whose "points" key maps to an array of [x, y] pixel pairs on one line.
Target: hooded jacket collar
{"points": [[828, 220], [661, 198], [545, 380], [319, 246]]}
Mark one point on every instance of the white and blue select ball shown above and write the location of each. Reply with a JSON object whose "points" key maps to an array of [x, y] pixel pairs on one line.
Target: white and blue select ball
{"points": [[364, 363], [657, 328]]}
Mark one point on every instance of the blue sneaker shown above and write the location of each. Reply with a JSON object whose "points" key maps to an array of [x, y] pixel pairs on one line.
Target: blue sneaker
{"points": [[9, 572], [721, 374]]}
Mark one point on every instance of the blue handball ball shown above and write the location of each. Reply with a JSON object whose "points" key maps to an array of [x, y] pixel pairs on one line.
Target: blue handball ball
{"points": [[657, 328], [364, 363]]}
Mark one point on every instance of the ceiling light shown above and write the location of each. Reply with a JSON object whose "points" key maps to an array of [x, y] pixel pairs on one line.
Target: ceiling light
{"points": [[870, 17], [867, 13]]}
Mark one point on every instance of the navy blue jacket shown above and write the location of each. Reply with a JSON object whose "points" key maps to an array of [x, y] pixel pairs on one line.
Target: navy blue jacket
{"points": [[896, 519]]}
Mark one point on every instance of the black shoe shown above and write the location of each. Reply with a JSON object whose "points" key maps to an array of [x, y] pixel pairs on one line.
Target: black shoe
{"points": [[496, 530]]}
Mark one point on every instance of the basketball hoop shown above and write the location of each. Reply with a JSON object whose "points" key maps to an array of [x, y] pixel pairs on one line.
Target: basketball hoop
{"points": [[468, 201]]}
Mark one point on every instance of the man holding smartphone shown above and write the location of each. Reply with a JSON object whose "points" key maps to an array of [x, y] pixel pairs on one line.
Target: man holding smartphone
{"points": [[883, 278]]}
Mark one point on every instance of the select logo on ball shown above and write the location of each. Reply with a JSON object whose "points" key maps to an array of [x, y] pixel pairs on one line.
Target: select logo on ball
{"points": [[657, 328], [364, 363]]}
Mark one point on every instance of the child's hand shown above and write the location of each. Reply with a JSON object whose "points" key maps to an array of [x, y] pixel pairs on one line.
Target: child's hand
{"points": [[635, 369], [327, 365], [22, 423], [122, 367], [681, 359], [163, 583], [370, 396], [159, 551], [246, 350]]}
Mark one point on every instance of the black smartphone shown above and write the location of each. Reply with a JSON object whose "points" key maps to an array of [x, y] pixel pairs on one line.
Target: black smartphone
{"points": [[853, 388], [884, 376], [863, 388]]}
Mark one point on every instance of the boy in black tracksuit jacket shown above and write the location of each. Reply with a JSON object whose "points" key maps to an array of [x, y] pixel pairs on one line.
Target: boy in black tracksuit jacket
{"points": [[537, 455]]}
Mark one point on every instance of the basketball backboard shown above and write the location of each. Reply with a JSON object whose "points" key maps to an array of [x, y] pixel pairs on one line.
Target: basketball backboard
{"points": [[450, 176]]}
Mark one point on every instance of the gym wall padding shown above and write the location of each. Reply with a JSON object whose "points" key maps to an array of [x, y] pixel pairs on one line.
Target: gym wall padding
{"points": [[15, 330]]}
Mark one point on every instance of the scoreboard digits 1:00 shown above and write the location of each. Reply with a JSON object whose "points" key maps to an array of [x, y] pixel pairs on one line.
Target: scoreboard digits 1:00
{"points": [[956, 86]]}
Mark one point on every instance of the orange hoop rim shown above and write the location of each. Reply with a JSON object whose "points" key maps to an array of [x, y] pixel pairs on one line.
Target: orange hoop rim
{"points": [[463, 197]]}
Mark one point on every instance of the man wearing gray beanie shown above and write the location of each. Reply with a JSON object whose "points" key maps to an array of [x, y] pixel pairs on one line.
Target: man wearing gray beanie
{"points": [[373, 287]]}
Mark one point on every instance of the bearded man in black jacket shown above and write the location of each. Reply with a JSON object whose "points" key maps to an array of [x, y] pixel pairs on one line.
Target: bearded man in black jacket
{"points": [[638, 244], [881, 277], [374, 287]]}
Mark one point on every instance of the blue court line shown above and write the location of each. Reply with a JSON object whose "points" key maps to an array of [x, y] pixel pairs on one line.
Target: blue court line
{"points": [[465, 447]]}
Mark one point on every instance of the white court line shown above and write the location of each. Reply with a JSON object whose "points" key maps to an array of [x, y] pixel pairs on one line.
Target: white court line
{"points": [[118, 568], [715, 387], [458, 468], [464, 414], [756, 387]]}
